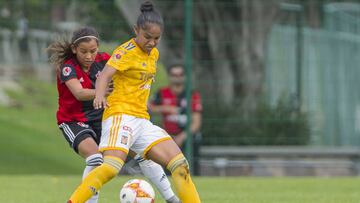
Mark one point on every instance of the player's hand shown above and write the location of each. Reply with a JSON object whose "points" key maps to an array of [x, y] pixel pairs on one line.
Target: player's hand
{"points": [[100, 103]]}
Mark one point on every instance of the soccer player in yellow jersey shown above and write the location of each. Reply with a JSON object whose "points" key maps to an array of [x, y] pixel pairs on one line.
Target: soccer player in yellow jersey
{"points": [[126, 124]]}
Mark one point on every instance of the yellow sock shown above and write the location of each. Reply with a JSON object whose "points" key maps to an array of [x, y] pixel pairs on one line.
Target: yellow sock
{"points": [[186, 189], [96, 178]]}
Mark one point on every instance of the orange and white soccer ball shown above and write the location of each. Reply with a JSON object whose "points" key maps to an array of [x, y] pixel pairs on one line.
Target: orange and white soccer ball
{"points": [[137, 191]]}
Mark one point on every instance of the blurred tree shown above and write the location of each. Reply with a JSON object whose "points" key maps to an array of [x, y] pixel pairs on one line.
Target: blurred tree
{"points": [[230, 34], [66, 15], [229, 50]]}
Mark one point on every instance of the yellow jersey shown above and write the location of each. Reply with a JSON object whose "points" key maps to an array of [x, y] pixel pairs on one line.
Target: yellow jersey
{"points": [[132, 81]]}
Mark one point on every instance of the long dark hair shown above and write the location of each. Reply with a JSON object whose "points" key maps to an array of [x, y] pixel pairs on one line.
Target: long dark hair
{"points": [[60, 50], [149, 15]]}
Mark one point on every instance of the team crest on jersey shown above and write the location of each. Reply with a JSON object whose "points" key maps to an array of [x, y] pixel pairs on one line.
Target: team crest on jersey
{"points": [[145, 87], [124, 140], [81, 79], [66, 71], [118, 55]]}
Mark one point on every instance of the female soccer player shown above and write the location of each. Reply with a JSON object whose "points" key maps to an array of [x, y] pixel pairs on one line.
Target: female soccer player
{"points": [[126, 124], [78, 64]]}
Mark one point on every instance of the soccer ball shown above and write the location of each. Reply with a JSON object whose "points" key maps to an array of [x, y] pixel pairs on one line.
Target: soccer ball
{"points": [[137, 191]]}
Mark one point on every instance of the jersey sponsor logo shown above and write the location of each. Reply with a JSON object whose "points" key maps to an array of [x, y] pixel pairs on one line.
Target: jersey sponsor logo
{"points": [[127, 128], [145, 87], [177, 118], [82, 124], [66, 71], [147, 76]]}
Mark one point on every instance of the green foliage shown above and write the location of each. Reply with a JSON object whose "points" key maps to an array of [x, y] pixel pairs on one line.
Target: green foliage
{"points": [[107, 19], [267, 125], [103, 15], [30, 189], [30, 136]]}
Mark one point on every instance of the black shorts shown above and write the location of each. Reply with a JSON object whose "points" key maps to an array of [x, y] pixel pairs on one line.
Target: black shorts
{"points": [[75, 132]]}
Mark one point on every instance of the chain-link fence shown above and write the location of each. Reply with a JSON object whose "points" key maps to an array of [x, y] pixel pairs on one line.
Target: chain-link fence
{"points": [[270, 72]]}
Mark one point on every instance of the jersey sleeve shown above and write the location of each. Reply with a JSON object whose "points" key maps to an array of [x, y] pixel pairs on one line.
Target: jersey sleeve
{"points": [[119, 60], [67, 72], [196, 105]]}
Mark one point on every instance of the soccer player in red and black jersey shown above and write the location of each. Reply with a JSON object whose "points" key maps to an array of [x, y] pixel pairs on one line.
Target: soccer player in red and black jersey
{"points": [[170, 102], [78, 64]]}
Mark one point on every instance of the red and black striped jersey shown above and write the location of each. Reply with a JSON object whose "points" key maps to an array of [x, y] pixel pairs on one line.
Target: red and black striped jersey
{"points": [[70, 109]]}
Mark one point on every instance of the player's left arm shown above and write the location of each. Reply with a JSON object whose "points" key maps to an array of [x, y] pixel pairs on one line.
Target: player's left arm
{"points": [[80, 93], [196, 120]]}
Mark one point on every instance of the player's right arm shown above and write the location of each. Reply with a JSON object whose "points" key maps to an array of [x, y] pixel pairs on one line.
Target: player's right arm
{"points": [[80, 93], [69, 77], [101, 85], [119, 61]]}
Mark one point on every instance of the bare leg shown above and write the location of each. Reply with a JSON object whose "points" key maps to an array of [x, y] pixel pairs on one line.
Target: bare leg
{"points": [[163, 152]]}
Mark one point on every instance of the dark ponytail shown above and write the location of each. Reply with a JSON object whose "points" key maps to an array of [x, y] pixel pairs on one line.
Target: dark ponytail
{"points": [[60, 50], [149, 15]]}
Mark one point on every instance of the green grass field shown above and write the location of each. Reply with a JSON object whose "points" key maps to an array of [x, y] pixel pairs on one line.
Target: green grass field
{"points": [[53, 189]]}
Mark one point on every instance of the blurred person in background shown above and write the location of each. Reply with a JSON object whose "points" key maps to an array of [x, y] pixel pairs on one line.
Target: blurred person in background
{"points": [[126, 122], [78, 63], [170, 102]]}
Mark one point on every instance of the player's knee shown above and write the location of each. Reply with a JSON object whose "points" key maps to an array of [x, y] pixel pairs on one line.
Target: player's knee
{"points": [[115, 163], [94, 160], [180, 165]]}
